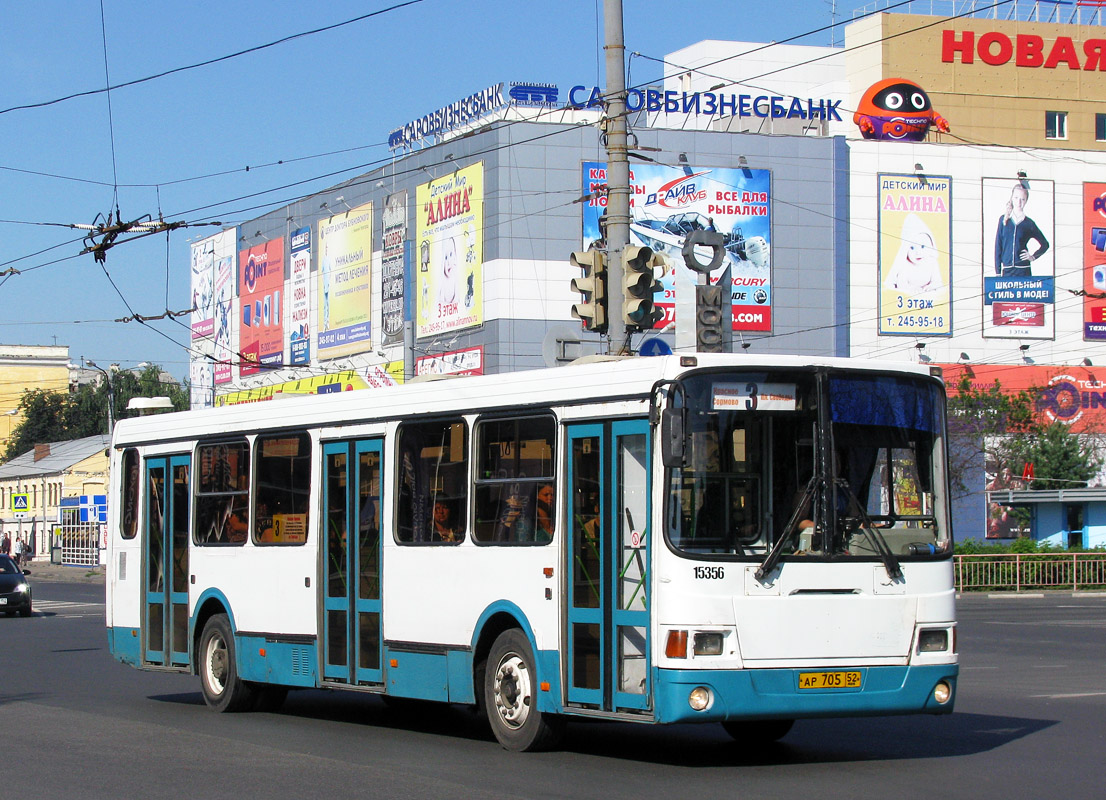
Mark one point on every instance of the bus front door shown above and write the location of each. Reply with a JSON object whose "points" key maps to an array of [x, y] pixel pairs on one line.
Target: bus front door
{"points": [[165, 561], [608, 552], [351, 646]]}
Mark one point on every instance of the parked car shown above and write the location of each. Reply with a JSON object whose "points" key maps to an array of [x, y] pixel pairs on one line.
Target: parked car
{"points": [[15, 591]]}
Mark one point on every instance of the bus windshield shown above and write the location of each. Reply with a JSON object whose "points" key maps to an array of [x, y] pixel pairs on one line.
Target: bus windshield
{"points": [[812, 463]]}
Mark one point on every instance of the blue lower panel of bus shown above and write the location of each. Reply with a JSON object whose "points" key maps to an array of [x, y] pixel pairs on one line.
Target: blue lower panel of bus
{"points": [[425, 676], [447, 676], [267, 660], [767, 693], [124, 645]]}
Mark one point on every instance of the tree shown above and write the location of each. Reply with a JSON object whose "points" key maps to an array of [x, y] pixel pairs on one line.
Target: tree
{"points": [[1060, 458], [62, 416], [44, 420], [979, 418], [987, 426]]}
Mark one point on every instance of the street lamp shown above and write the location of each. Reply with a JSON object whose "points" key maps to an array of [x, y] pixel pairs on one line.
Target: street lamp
{"points": [[111, 393]]}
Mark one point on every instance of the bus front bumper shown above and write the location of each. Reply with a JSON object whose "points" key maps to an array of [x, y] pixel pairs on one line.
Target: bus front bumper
{"points": [[776, 693]]}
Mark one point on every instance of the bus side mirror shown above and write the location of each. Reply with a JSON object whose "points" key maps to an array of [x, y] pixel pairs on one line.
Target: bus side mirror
{"points": [[672, 437]]}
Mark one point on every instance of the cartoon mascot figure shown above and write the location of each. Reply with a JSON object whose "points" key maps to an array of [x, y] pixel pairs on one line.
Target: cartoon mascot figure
{"points": [[896, 109]]}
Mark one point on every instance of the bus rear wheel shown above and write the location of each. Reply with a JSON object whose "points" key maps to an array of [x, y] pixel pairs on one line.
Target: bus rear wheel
{"points": [[222, 688], [758, 731], [510, 697]]}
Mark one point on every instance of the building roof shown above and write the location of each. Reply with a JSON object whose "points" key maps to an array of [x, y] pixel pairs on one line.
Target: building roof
{"points": [[1024, 497], [62, 456]]}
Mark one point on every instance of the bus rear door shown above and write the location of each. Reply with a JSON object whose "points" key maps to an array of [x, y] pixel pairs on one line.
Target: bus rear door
{"points": [[608, 552]]}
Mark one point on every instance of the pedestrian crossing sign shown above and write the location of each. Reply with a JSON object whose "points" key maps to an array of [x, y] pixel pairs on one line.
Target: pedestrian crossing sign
{"points": [[20, 505]]}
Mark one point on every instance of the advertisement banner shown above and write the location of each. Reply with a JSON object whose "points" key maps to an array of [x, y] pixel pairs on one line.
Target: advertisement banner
{"points": [[201, 378], [393, 272], [469, 361], [377, 376], [345, 283], [1018, 265], [203, 287], [668, 203], [915, 255], [450, 234], [223, 292], [1073, 395], [299, 323], [212, 295], [261, 331], [345, 381], [1094, 261]]}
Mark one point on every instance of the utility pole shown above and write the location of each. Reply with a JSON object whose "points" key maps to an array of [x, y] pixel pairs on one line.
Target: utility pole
{"points": [[618, 167], [111, 391]]}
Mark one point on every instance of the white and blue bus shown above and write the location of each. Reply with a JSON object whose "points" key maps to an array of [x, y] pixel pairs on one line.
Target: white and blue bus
{"points": [[707, 538]]}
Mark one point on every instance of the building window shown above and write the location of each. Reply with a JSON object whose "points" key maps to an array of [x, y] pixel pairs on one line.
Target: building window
{"points": [[1100, 127], [1056, 125]]}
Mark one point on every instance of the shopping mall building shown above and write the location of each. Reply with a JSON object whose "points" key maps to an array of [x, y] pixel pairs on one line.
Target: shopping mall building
{"points": [[933, 190]]}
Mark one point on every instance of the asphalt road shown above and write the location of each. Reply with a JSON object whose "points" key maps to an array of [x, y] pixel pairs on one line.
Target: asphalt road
{"points": [[74, 723]]}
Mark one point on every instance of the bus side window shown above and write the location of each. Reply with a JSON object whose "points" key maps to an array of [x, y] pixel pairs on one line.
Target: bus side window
{"points": [[433, 475], [283, 481], [515, 480], [222, 493], [131, 474]]}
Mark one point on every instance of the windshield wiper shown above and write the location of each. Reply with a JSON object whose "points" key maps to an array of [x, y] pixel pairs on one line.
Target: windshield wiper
{"points": [[776, 552], [890, 561]]}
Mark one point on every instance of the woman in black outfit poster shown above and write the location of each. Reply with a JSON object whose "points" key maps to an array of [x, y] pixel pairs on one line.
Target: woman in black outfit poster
{"points": [[1013, 258]]}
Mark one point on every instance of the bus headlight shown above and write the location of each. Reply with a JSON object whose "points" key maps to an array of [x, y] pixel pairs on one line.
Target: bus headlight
{"points": [[699, 699], [708, 644], [933, 641], [942, 692]]}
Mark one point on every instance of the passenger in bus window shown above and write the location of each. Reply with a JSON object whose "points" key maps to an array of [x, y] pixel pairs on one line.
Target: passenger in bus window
{"points": [[590, 518], [509, 527], [525, 521], [235, 528], [443, 529], [543, 516], [367, 519]]}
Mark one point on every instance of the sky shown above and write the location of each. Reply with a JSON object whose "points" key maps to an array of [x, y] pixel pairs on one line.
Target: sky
{"points": [[226, 141]]}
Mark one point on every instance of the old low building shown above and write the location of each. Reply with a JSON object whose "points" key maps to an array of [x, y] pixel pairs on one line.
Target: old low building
{"points": [[33, 485]]}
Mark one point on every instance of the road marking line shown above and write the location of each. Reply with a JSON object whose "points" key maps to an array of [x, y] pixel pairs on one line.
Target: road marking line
{"points": [[63, 604], [1066, 696]]}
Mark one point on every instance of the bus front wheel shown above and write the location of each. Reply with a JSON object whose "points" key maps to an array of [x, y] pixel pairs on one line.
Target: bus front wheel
{"points": [[510, 697], [223, 689]]}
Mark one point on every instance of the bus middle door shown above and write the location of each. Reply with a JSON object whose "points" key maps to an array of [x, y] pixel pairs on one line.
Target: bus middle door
{"points": [[608, 552], [351, 624]]}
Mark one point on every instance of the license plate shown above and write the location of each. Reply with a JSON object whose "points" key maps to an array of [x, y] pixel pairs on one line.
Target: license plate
{"points": [[3, 601], [829, 680]]}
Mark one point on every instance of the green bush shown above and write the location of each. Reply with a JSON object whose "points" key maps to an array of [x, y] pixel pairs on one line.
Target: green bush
{"points": [[975, 547]]}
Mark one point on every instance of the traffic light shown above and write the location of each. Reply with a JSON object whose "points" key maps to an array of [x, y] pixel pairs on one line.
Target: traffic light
{"points": [[639, 284], [593, 286]]}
